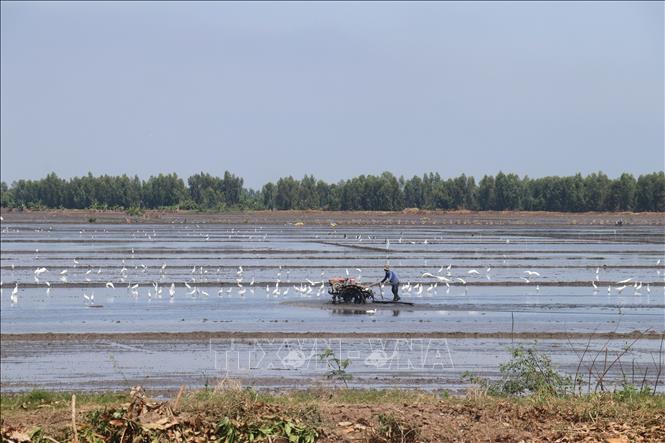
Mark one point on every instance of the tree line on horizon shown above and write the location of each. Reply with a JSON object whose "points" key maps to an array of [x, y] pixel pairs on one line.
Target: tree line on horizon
{"points": [[385, 192]]}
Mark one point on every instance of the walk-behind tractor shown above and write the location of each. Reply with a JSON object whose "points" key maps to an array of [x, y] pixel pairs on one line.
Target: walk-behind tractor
{"points": [[350, 290]]}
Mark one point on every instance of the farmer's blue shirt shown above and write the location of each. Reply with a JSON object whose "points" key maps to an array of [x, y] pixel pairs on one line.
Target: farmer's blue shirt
{"points": [[391, 277]]}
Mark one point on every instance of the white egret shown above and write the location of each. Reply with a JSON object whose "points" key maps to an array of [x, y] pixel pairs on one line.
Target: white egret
{"points": [[14, 297]]}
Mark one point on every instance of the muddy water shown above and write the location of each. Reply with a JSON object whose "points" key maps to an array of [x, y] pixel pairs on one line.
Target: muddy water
{"points": [[272, 294], [430, 363]]}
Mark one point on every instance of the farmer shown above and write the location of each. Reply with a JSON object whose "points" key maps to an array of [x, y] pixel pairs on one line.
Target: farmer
{"points": [[394, 281]]}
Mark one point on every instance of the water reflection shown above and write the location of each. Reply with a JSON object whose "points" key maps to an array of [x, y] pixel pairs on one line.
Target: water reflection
{"points": [[396, 312], [349, 312]]}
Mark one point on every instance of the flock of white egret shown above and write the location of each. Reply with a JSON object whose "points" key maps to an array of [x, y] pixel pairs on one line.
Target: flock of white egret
{"points": [[136, 277], [202, 278]]}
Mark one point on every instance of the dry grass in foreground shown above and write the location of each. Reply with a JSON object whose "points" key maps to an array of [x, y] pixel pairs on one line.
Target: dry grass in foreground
{"points": [[232, 414]]}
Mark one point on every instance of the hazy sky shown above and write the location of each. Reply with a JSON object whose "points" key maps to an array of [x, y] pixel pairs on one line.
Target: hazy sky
{"points": [[333, 89]]}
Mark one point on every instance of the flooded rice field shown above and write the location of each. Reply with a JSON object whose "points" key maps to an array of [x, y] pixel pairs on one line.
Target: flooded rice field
{"points": [[98, 306]]}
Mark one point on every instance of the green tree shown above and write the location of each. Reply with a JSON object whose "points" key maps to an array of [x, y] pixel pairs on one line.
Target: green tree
{"points": [[52, 191], [596, 191], [206, 191], [650, 192], [622, 193], [308, 197], [486, 194], [164, 190], [414, 193], [286, 196], [6, 196], [508, 191], [231, 189], [268, 195]]}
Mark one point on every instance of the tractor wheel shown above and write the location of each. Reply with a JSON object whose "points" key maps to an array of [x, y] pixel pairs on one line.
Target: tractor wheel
{"points": [[347, 297], [351, 295], [359, 298]]}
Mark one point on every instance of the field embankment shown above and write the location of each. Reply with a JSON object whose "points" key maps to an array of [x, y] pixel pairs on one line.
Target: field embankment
{"points": [[330, 415], [409, 216]]}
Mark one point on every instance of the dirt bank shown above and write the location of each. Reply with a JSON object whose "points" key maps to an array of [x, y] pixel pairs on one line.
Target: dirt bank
{"points": [[338, 218], [330, 415]]}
